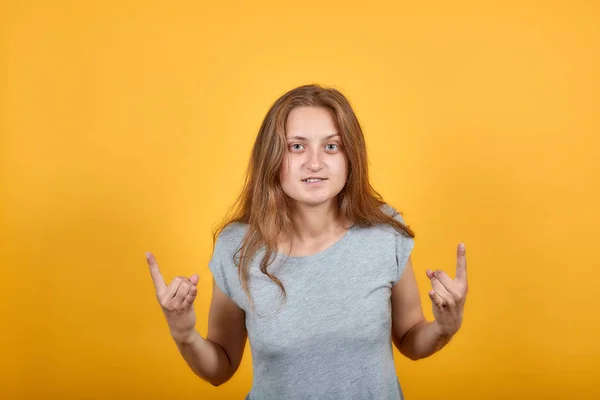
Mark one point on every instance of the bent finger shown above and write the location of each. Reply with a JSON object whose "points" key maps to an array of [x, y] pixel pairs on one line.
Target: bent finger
{"points": [[183, 290], [436, 299], [447, 282], [173, 287], [441, 291], [191, 296]]}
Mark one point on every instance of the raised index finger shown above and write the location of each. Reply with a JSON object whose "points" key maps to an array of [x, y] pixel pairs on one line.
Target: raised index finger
{"points": [[461, 264], [159, 282]]}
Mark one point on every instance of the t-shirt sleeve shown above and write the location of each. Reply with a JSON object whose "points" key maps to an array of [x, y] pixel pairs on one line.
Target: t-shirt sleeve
{"points": [[404, 246], [217, 266]]}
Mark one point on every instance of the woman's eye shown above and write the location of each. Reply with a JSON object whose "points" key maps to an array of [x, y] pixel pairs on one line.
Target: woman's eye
{"points": [[296, 146], [332, 146]]}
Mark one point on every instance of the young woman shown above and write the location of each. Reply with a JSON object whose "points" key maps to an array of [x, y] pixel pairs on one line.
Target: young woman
{"points": [[314, 268]]}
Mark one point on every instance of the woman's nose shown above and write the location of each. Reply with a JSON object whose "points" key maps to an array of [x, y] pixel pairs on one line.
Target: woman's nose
{"points": [[315, 161]]}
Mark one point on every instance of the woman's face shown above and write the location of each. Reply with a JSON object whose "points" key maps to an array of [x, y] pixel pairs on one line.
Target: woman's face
{"points": [[314, 152]]}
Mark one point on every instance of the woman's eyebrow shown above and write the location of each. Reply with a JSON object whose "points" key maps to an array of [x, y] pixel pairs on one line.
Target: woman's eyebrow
{"points": [[303, 138]]}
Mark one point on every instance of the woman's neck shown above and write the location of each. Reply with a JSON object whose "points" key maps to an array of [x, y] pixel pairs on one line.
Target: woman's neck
{"points": [[312, 224]]}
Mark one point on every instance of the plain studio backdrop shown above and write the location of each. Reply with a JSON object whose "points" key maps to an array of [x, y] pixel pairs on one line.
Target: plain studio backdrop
{"points": [[126, 127]]}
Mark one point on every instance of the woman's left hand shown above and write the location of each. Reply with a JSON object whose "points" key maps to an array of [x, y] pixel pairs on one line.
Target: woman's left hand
{"points": [[448, 295]]}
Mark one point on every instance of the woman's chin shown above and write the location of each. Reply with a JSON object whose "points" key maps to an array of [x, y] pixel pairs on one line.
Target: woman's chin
{"points": [[314, 201]]}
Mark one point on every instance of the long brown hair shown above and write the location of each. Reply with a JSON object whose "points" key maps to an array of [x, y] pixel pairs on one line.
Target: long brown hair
{"points": [[264, 206]]}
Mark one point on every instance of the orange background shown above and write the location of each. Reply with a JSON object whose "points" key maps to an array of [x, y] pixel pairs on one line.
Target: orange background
{"points": [[126, 127]]}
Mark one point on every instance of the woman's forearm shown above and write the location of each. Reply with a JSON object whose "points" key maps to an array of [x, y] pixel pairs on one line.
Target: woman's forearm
{"points": [[207, 359], [422, 340]]}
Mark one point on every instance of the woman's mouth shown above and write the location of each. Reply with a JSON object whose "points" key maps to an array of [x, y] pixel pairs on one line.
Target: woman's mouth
{"points": [[313, 180]]}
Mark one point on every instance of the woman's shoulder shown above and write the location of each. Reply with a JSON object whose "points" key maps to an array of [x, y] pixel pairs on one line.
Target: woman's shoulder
{"points": [[232, 234], [385, 229], [391, 211]]}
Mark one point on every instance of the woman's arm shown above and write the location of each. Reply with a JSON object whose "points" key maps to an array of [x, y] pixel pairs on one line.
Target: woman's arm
{"points": [[216, 358], [412, 334]]}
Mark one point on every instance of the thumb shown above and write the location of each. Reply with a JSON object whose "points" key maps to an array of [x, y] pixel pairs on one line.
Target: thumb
{"points": [[194, 279]]}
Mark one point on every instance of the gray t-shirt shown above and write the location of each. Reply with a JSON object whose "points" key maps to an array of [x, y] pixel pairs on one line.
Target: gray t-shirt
{"points": [[331, 339]]}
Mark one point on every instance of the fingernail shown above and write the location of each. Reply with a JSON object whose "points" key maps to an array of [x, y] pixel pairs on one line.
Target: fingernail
{"points": [[461, 246]]}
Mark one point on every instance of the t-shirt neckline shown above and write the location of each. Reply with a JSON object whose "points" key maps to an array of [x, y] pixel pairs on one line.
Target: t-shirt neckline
{"points": [[321, 253]]}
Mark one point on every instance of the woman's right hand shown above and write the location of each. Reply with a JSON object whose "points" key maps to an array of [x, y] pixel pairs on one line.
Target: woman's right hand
{"points": [[176, 300]]}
